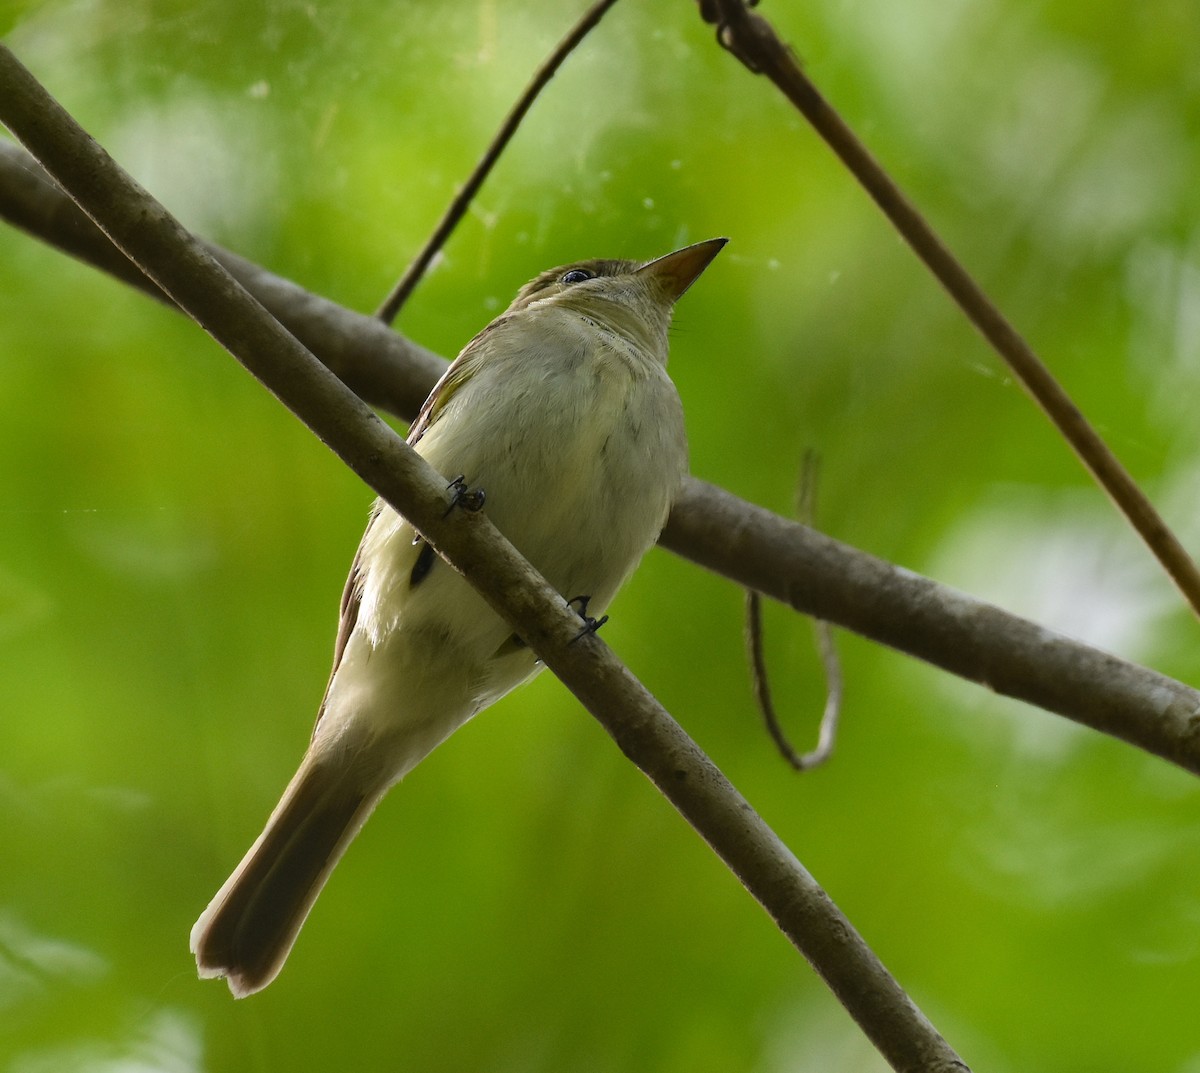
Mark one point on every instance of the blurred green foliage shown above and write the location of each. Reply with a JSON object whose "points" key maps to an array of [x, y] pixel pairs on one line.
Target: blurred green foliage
{"points": [[172, 543]]}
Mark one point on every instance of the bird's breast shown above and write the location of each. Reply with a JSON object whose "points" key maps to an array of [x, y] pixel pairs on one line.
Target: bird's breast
{"points": [[578, 442]]}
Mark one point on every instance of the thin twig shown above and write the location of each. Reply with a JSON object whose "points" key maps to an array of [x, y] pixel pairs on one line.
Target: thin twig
{"points": [[831, 716], [392, 305], [760, 680], [806, 512], [752, 39], [806, 496], [761, 683]]}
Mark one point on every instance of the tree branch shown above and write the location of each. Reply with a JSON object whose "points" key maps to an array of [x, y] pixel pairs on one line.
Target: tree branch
{"points": [[753, 40], [394, 302], [1012, 656], [789, 562], [183, 269], [382, 367]]}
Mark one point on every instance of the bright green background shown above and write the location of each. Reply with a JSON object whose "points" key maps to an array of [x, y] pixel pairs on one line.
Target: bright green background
{"points": [[173, 544]]}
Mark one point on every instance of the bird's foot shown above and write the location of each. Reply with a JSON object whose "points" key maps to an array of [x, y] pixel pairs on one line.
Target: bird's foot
{"points": [[464, 498], [590, 625]]}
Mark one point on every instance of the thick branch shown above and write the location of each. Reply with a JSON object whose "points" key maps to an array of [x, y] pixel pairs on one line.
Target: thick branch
{"points": [[644, 731], [784, 560], [821, 577]]}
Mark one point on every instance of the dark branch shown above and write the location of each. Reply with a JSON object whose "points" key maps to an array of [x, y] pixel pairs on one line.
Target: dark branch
{"points": [[380, 366], [821, 577], [752, 39], [394, 302]]}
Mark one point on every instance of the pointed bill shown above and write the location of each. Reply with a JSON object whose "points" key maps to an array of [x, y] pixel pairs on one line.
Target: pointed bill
{"points": [[679, 270]]}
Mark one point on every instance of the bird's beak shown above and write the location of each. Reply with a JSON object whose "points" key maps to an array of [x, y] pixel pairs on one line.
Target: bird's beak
{"points": [[677, 271]]}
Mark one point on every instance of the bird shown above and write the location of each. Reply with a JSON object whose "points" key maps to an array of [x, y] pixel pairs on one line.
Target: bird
{"points": [[558, 419]]}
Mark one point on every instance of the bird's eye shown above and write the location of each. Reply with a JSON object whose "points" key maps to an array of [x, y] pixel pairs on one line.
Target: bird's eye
{"points": [[577, 275]]}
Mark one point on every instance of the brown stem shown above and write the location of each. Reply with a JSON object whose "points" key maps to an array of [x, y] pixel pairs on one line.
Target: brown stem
{"points": [[750, 37], [394, 302]]}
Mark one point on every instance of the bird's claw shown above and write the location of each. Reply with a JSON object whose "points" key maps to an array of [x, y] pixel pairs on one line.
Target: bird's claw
{"points": [[590, 625], [464, 498]]}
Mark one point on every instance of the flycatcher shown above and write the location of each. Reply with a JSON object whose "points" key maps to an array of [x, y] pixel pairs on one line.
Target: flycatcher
{"points": [[562, 412]]}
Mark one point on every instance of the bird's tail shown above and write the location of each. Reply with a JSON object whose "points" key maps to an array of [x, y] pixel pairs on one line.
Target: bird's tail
{"points": [[249, 927]]}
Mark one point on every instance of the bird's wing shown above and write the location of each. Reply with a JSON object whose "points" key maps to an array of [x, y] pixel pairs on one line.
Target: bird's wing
{"points": [[348, 611], [461, 370]]}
